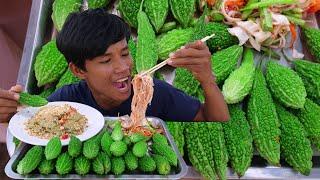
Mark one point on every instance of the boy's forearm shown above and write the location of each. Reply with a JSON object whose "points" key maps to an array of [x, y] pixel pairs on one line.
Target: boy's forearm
{"points": [[215, 108], [3, 132]]}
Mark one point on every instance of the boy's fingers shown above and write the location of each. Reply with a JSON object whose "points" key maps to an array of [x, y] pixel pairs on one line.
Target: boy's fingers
{"points": [[8, 103], [9, 95], [17, 88], [196, 45], [4, 118], [8, 110]]}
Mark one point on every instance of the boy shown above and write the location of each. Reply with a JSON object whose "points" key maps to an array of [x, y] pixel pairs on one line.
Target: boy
{"points": [[94, 43]]}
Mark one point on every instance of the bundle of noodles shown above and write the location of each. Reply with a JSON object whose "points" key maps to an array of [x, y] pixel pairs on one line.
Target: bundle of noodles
{"points": [[143, 93]]}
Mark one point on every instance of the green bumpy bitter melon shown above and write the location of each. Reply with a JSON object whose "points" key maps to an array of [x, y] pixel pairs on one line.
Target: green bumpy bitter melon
{"points": [[162, 164], [309, 116], [118, 165], [46, 166], [131, 161], [32, 100], [159, 138], [66, 79], [310, 75], [129, 10], [166, 151], [238, 85], [173, 40], [225, 61], [312, 38], [295, 146], [238, 140], [199, 148], [50, 64], [147, 164], [53, 148], [47, 92], [220, 153], [82, 165], [93, 4], [74, 146], [176, 130], [64, 164], [146, 56], [61, 9], [91, 148], [183, 11], [133, 51], [30, 161], [106, 142], [222, 39], [263, 120], [118, 148], [157, 11], [140, 149], [186, 82], [286, 85]]}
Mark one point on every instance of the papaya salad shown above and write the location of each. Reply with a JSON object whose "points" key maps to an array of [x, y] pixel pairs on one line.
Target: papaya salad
{"points": [[137, 122], [264, 24], [61, 121]]}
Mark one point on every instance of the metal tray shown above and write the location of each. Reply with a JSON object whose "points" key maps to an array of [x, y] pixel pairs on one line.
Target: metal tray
{"points": [[176, 173]]}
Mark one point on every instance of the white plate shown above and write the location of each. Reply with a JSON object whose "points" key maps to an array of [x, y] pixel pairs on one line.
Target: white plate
{"points": [[17, 127]]}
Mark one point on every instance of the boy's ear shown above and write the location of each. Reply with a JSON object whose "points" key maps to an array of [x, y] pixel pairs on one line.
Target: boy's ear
{"points": [[77, 71]]}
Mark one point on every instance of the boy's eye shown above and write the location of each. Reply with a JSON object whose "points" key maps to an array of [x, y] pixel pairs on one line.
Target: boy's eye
{"points": [[125, 54], [104, 61]]}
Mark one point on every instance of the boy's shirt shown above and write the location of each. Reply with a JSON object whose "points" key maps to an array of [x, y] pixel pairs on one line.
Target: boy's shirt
{"points": [[168, 103]]}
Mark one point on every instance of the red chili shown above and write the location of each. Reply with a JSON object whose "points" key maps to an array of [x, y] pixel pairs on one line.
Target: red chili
{"points": [[65, 136]]}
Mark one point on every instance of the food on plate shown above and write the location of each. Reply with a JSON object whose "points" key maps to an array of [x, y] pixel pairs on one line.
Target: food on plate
{"points": [[60, 121]]}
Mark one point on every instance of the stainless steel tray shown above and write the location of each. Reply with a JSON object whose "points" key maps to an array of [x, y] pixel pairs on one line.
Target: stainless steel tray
{"points": [[176, 173]]}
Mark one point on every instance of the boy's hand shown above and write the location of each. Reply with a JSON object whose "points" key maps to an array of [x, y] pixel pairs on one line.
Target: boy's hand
{"points": [[9, 102], [196, 58]]}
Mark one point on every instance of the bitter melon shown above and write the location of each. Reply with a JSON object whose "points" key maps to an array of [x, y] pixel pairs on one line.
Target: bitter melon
{"points": [[183, 11], [64, 164], [129, 10], [82, 165], [50, 64], [312, 38], [74, 147], [310, 75], [295, 146], [263, 120], [172, 40], [53, 148], [225, 61], [309, 116], [285, 85], [46, 166], [146, 56], [157, 11], [61, 9], [199, 148], [238, 85], [238, 140], [32, 100], [30, 161], [67, 78], [176, 130], [222, 38], [93, 4]]}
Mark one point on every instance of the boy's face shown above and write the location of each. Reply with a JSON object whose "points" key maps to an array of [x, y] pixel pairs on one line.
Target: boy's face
{"points": [[109, 75]]}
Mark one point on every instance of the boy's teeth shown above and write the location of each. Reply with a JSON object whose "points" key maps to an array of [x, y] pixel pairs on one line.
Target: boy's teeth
{"points": [[123, 79]]}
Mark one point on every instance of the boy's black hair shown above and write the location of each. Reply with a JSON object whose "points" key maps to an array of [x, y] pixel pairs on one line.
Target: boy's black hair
{"points": [[88, 34]]}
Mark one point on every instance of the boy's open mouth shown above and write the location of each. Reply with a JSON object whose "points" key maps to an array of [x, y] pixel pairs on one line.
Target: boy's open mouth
{"points": [[122, 84]]}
